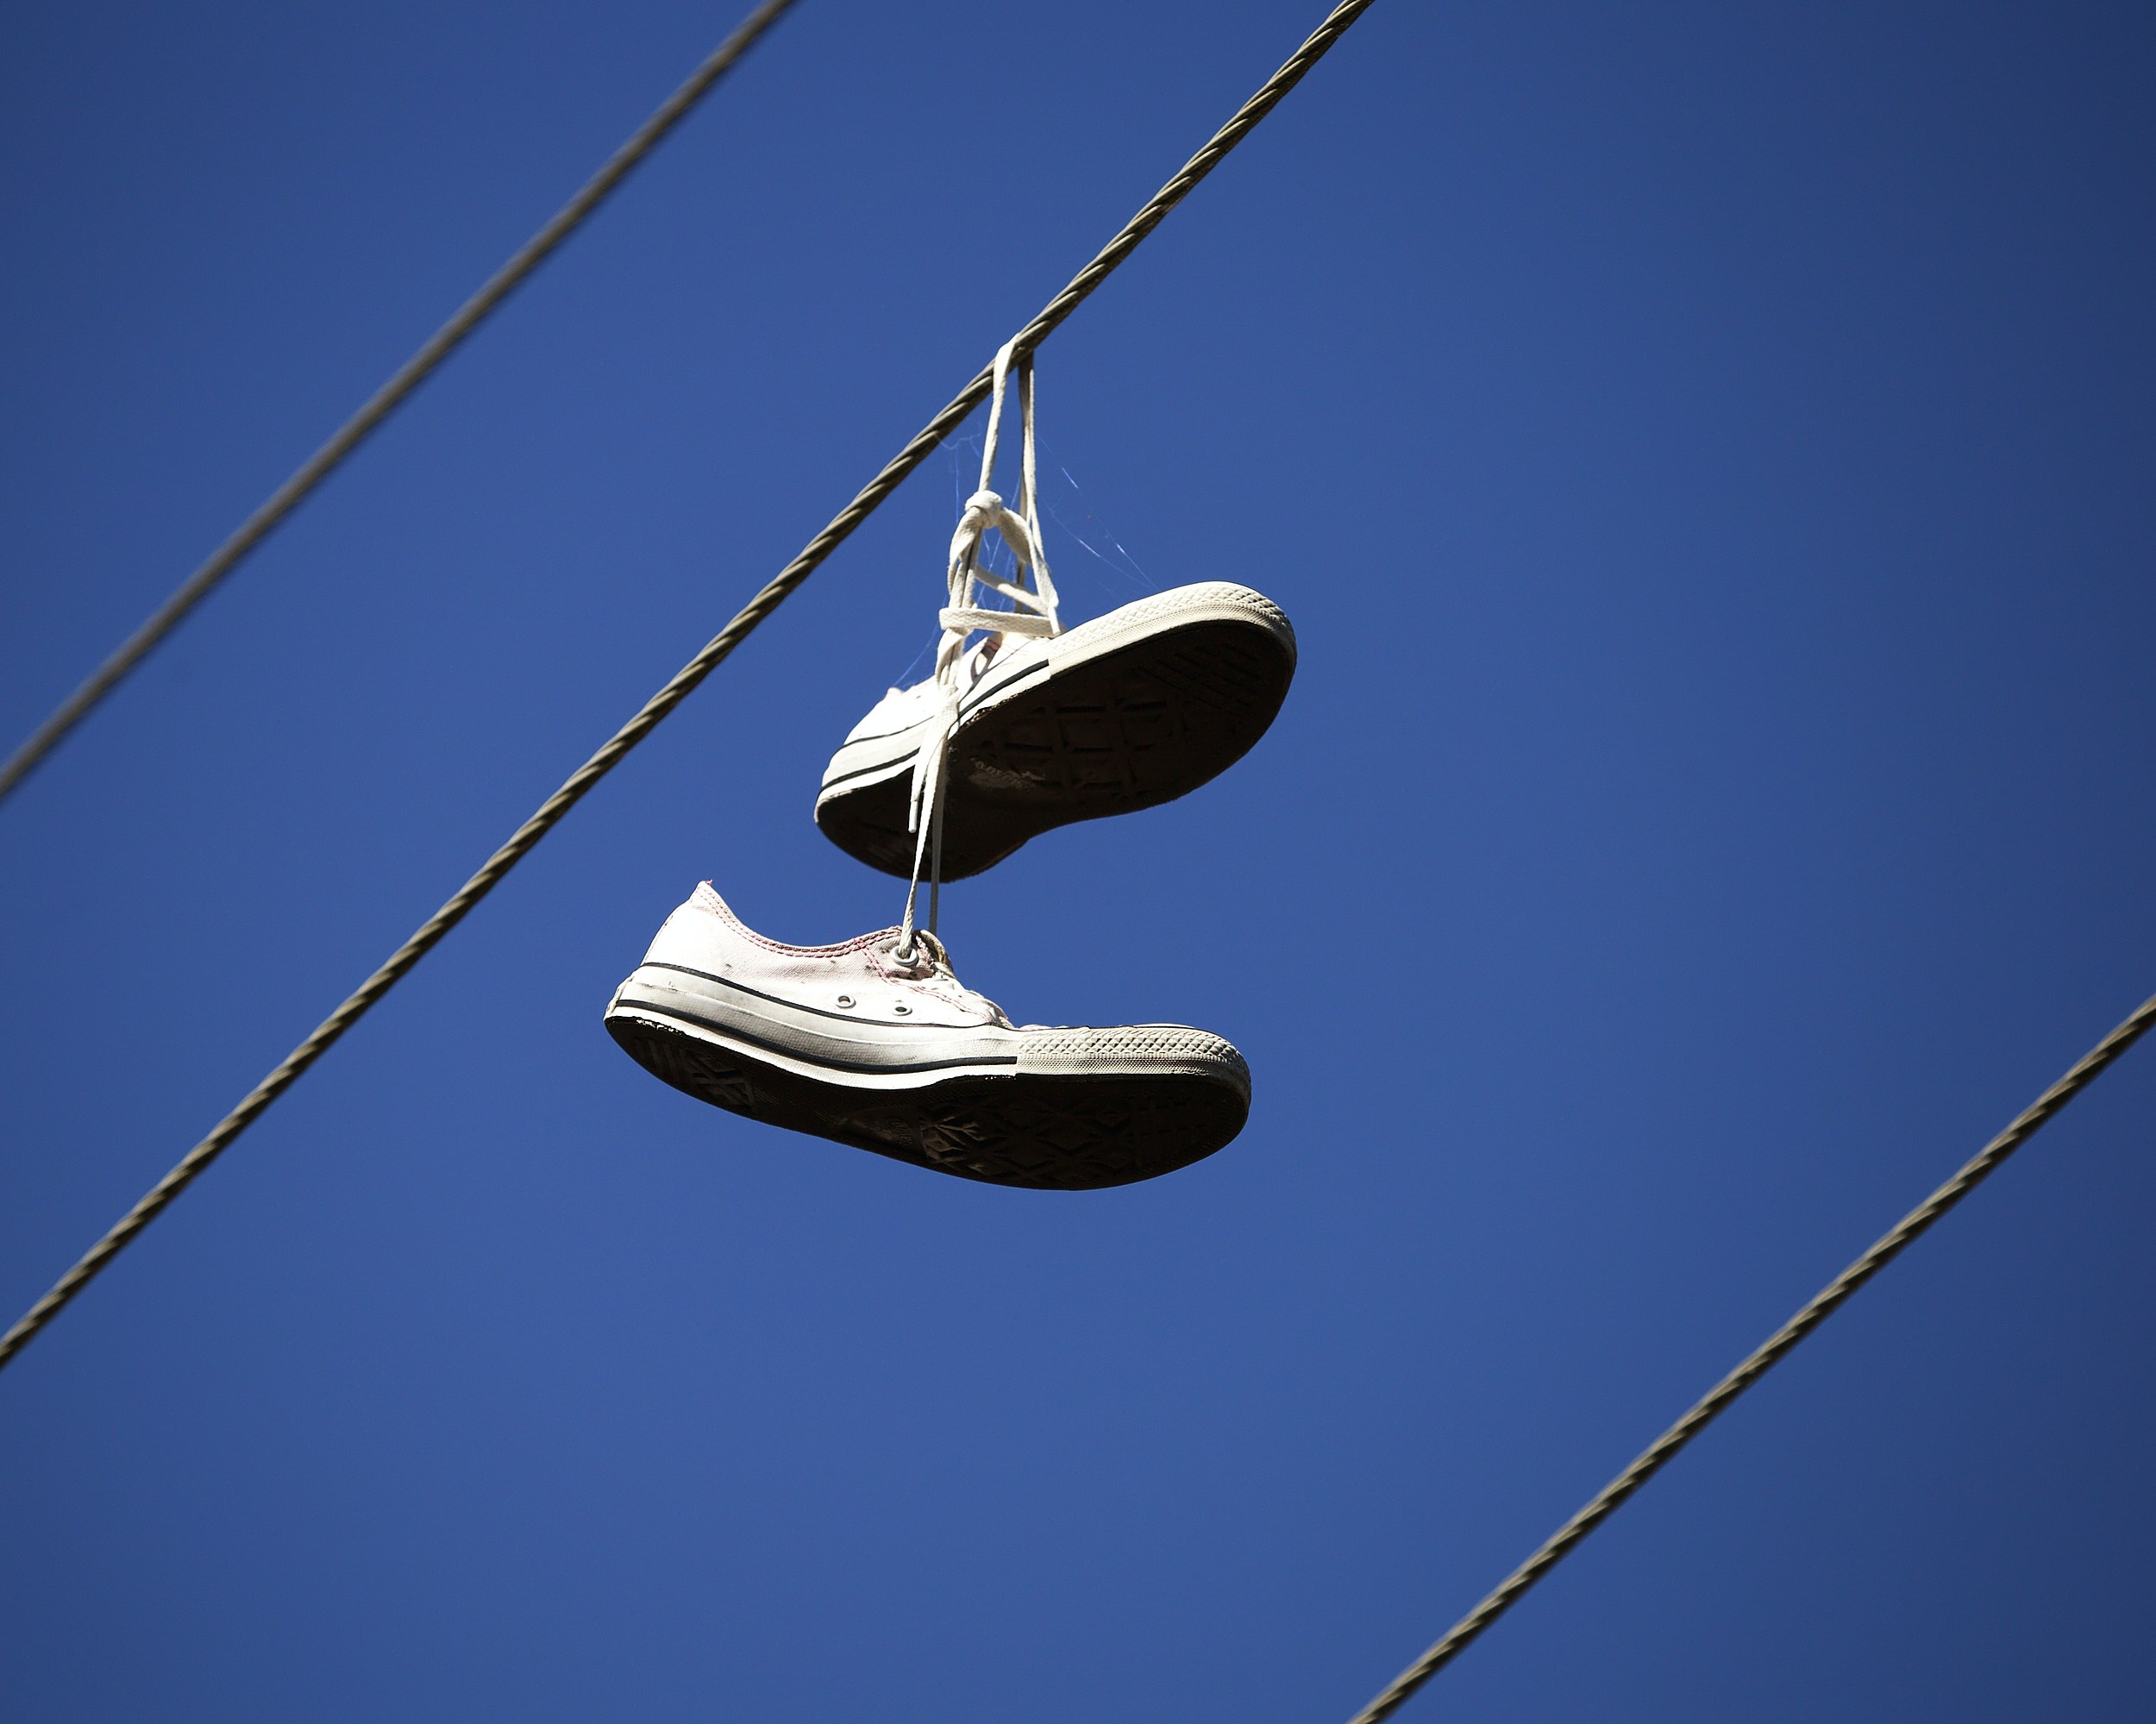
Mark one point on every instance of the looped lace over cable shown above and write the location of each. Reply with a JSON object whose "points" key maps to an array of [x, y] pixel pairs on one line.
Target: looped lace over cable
{"points": [[1034, 611], [1033, 614]]}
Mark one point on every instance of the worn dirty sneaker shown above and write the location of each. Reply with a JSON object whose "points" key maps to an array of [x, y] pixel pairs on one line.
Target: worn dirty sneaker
{"points": [[1130, 710], [1029, 727], [849, 1042]]}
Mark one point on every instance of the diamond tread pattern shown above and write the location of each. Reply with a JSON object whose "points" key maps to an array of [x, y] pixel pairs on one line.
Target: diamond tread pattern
{"points": [[1046, 1132], [1130, 730]]}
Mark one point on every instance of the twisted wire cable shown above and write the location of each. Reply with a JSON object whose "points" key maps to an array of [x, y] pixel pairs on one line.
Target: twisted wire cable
{"points": [[385, 400], [1770, 1352], [431, 932]]}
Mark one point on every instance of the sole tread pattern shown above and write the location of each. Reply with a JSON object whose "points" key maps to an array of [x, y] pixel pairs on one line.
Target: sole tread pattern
{"points": [[1130, 730], [1041, 1132]]}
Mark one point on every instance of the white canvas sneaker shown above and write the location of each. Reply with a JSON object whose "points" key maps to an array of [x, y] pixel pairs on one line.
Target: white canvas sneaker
{"points": [[1126, 712], [846, 1042], [1034, 728]]}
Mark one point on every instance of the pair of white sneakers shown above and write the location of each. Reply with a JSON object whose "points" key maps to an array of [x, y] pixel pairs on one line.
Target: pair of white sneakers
{"points": [[875, 1042]]}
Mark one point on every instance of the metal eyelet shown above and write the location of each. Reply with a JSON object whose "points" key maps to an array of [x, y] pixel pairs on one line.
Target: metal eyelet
{"points": [[845, 1000], [903, 1011]]}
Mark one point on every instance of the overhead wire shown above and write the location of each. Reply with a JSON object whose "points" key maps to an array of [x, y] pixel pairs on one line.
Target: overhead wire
{"points": [[1763, 1359], [1561, 1543], [678, 689], [385, 400]]}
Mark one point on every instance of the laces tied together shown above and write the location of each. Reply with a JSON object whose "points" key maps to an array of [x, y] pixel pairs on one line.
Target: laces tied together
{"points": [[1030, 593]]}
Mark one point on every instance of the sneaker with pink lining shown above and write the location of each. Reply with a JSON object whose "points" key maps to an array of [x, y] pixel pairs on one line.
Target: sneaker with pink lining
{"points": [[893, 1054]]}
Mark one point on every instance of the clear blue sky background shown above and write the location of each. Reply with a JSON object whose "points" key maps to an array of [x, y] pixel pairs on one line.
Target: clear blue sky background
{"points": [[1706, 451]]}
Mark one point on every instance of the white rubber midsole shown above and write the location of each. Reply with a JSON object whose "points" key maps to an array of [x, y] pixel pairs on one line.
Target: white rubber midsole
{"points": [[863, 1056], [867, 760], [803, 1041]]}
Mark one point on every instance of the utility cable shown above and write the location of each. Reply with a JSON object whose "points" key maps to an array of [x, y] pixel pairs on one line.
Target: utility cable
{"points": [[385, 400], [1771, 1352], [432, 931]]}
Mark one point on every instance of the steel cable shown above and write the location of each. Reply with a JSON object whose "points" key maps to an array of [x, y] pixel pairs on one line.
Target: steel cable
{"points": [[431, 932], [385, 400], [1771, 1352]]}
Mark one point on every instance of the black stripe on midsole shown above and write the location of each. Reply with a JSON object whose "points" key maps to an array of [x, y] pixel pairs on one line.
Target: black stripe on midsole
{"points": [[967, 708], [863, 772], [865, 1068], [975, 699]]}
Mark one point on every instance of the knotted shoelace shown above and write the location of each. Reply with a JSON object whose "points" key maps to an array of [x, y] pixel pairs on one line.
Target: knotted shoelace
{"points": [[1033, 614]]}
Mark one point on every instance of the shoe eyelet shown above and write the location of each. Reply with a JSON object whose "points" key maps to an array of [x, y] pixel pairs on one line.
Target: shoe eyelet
{"points": [[845, 1000], [903, 1011]]}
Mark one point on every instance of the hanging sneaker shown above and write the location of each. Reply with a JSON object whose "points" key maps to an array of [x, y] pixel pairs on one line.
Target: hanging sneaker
{"points": [[851, 1043], [1131, 710], [1034, 728]]}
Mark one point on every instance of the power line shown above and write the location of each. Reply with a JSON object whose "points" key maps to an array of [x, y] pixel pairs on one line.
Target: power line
{"points": [[1822, 1304], [385, 400], [432, 931]]}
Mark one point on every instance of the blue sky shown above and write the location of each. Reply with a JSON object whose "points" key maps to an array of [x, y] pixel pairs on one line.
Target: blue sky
{"points": [[1705, 453]]}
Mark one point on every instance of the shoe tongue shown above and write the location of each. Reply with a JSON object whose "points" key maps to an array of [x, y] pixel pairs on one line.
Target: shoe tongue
{"points": [[929, 958], [932, 953], [935, 951]]}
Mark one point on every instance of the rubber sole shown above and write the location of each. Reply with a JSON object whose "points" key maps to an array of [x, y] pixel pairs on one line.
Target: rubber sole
{"points": [[1135, 727], [1049, 1133]]}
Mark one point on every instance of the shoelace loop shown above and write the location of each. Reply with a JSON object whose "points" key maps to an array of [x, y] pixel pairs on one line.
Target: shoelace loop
{"points": [[1033, 614]]}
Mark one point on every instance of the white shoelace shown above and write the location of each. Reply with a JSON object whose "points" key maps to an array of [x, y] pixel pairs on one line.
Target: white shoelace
{"points": [[1033, 614], [928, 962]]}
